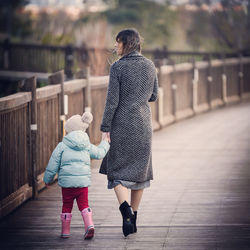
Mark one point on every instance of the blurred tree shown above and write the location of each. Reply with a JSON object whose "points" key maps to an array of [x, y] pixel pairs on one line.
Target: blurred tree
{"points": [[231, 25], [226, 27], [198, 30], [12, 21], [200, 2], [151, 18], [56, 28]]}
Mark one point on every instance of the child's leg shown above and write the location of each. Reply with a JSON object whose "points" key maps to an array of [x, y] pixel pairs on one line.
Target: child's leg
{"points": [[68, 196], [82, 198], [86, 212], [66, 215]]}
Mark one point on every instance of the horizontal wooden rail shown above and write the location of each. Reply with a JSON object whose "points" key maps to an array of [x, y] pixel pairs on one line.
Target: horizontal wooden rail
{"points": [[20, 75], [15, 100], [51, 58]]}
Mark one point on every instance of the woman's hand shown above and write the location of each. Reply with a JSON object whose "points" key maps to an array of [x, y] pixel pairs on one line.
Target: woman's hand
{"points": [[106, 136]]}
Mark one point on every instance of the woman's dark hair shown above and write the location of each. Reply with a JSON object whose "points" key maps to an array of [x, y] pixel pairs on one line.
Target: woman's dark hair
{"points": [[130, 39]]}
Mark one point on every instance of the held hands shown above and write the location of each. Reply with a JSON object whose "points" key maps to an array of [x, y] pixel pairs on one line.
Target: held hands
{"points": [[106, 137]]}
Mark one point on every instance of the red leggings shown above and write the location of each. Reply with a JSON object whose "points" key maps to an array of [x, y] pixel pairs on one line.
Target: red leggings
{"points": [[68, 196]]}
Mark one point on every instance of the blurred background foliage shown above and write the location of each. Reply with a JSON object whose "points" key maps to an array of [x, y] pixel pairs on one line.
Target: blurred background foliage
{"points": [[153, 20], [199, 25]]}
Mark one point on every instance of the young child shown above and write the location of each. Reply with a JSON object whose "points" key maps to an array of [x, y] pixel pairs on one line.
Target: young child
{"points": [[71, 160]]}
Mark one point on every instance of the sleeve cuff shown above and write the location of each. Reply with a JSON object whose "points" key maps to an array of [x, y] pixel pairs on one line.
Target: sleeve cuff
{"points": [[105, 128], [105, 145], [152, 99]]}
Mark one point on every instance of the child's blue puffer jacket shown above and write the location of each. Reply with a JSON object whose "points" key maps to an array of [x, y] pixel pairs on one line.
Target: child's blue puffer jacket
{"points": [[71, 160]]}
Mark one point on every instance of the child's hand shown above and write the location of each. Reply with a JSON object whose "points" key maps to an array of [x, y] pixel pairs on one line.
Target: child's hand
{"points": [[46, 185], [106, 137]]}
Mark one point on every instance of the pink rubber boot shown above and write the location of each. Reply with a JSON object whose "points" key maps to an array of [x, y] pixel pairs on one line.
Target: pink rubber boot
{"points": [[66, 219], [88, 223]]}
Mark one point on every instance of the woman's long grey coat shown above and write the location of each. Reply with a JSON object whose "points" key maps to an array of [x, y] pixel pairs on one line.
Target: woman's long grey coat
{"points": [[127, 116]]}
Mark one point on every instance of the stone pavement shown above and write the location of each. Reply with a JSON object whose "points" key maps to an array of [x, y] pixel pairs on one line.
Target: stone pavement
{"points": [[199, 198]]}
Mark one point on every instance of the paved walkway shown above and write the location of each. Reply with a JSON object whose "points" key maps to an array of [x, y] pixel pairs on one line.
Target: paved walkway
{"points": [[199, 198]]}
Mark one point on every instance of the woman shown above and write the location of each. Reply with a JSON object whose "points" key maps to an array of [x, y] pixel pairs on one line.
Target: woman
{"points": [[127, 124]]}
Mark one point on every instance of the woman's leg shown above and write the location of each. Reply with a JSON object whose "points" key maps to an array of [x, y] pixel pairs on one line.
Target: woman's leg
{"points": [[126, 211], [136, 198], [121, 193]]}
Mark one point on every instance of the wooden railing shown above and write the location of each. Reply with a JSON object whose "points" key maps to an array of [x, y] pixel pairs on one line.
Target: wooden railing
{"points": [[51, 58], [31, 122]]}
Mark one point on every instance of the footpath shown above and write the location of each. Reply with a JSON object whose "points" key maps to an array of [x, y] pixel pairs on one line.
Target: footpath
{"points": [[199, 198]]}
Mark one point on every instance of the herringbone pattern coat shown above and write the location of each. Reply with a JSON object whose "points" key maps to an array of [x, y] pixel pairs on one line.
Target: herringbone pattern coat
{"points": [[127, 116]]}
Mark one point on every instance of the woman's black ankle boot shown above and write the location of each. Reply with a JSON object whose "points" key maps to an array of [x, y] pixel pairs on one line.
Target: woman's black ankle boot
{"points": [[128, 216], [133, 220]]}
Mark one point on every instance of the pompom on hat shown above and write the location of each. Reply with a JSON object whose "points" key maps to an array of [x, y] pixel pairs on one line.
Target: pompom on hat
{"points": [[77, 122]]}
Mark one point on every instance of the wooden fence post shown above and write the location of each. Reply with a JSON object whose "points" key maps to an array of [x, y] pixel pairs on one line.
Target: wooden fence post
{"points": [[88, 99], [58, 78], [6, 54], [195, 87], [69, 62], [209, 81], [161, 57], [159, 102], [174, 88], [224, 80], [30, 85], [241, 75]]}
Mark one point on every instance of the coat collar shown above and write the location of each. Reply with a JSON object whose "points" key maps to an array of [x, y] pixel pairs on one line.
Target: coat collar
{"points": [[132, 54]]}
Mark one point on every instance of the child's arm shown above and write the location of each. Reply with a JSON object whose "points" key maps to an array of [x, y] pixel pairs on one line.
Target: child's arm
{"points": [[98, 152], [53, 165]]}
